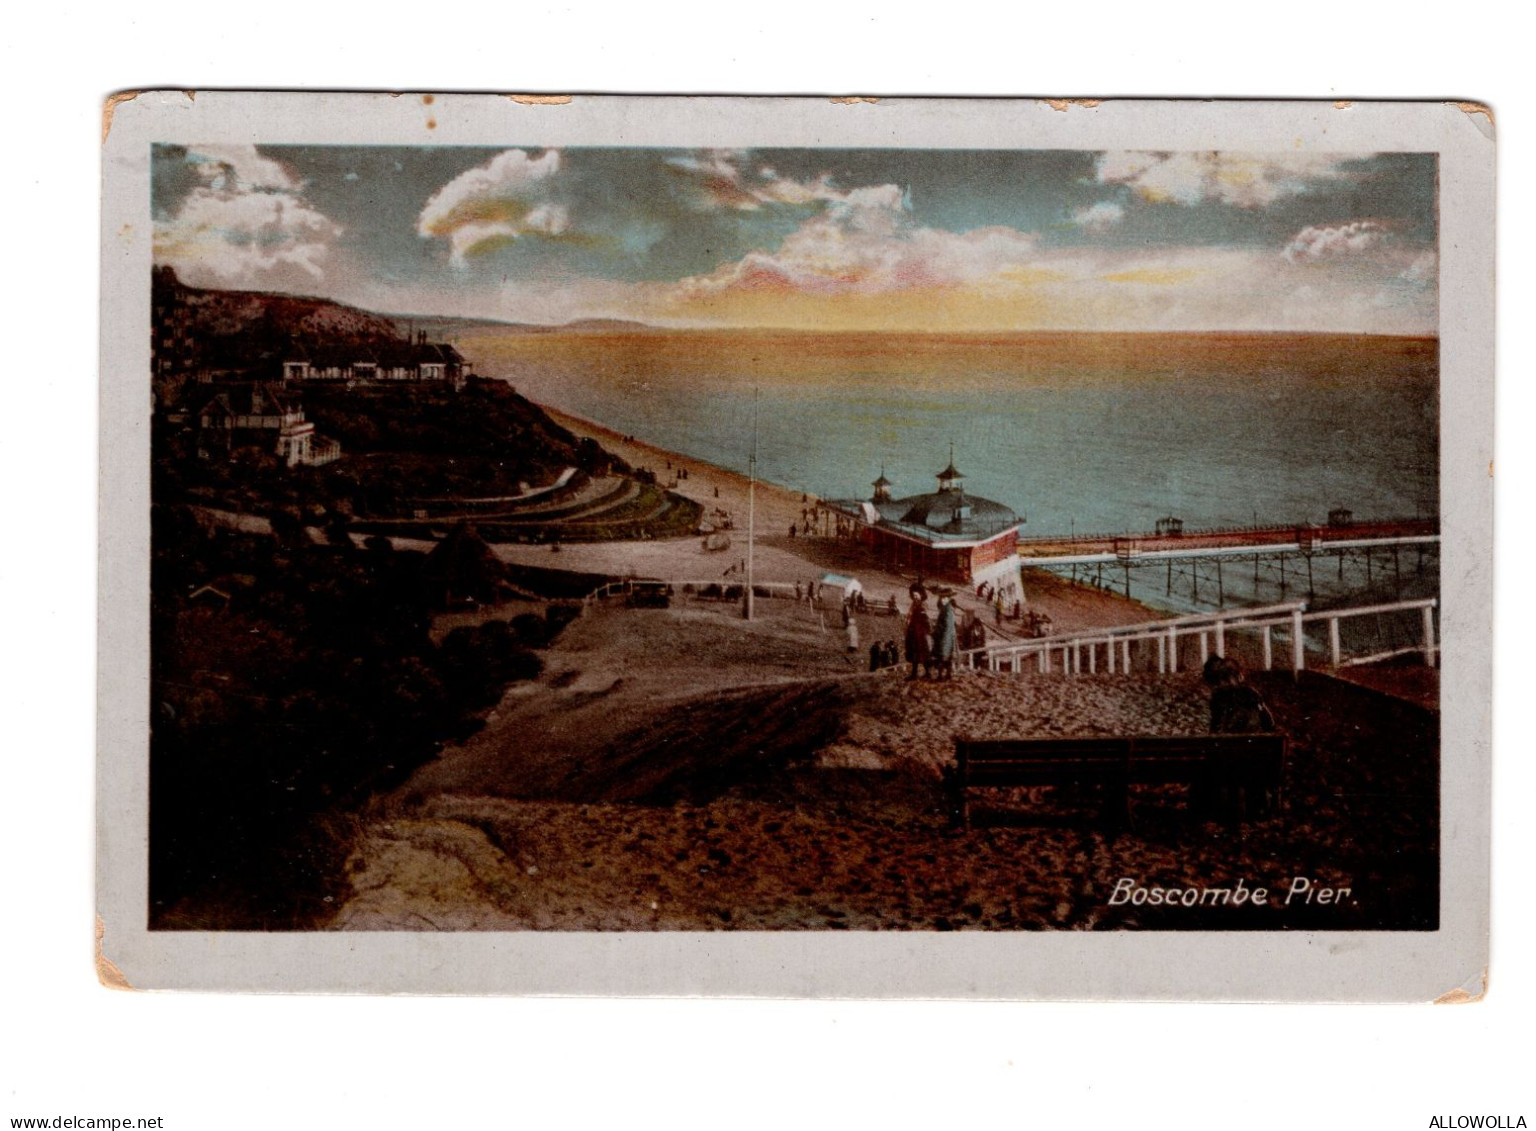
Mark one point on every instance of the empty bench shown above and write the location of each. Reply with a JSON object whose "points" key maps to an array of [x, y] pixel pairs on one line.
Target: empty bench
{"points": [[1247, 768]]}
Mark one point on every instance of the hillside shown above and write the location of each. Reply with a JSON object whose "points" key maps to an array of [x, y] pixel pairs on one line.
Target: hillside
{"points": [[256, 323]]}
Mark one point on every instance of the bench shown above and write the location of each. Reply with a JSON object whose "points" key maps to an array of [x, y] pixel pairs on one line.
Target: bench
{"points": [[1247, 767]]}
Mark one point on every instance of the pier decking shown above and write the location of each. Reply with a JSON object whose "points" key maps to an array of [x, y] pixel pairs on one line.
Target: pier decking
{"points": [[1090, 549]]}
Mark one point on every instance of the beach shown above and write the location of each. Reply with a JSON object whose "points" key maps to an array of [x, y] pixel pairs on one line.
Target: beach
{"points": [[597, 802], [777, 556]]}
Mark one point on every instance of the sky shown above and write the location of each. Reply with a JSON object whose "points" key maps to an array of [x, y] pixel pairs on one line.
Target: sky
{"points": [[831, 239]]}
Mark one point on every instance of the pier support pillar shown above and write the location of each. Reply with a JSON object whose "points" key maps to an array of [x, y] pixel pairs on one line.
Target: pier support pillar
{"points": [[1269, 651], [1298, 643], [1125, 656], [1205, 648], [1173, 649], [1093, 658], [1333, 641], [1162, 654], [1429, 635], [1109, 657], [1221, 638]]}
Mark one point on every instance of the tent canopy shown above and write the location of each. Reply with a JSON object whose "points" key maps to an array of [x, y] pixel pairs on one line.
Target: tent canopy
{"points": [[848, 585]]}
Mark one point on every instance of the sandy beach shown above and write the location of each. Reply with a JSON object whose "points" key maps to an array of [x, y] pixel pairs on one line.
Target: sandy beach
{"points": [[597, 802]]}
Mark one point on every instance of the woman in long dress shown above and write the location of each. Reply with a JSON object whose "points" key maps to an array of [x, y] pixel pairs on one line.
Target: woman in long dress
{"points": [[916, 640], [944, 638]]}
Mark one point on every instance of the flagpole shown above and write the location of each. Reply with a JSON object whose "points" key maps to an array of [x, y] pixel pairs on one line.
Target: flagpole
{"points": [[751, 508]]}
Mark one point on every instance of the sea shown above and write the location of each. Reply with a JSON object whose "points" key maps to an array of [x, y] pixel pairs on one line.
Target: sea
{"points": [[1077, 433]]}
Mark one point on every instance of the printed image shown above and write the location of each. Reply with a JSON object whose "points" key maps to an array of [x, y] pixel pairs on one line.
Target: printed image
{"points": [[604, 539]]}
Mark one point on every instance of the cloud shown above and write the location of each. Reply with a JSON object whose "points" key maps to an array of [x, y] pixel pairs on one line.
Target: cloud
{"points": [[1097, 217], [1323, 241], [240, 167], [865, 242], [1245, 180], [829, 276], [1422, 268], [725, 179], [506, 199], [246, 222]]}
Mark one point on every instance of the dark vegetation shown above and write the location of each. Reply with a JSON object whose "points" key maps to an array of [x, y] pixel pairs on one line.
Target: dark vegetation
{"points": [[401, 445], [293, 675], [290, 681], [433, 442]]}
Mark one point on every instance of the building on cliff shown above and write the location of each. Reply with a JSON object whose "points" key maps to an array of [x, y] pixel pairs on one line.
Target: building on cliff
{"points": [[386, 361], [259, 415]]}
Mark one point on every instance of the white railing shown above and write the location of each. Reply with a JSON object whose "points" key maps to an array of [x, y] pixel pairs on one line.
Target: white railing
{"points": [[1123, 645]]}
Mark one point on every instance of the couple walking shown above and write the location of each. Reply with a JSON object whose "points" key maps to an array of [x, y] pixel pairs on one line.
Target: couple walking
{"points": [[931, 644]]}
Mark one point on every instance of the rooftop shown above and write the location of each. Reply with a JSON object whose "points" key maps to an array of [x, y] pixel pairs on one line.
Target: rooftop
{"points": [[946, 515]]}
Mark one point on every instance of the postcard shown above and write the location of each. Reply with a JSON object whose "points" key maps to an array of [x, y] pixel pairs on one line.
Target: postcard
{"points": [[875, 547]]}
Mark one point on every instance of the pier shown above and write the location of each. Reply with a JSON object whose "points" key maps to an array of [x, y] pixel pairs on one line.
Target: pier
{"points": [[1210, 563]]}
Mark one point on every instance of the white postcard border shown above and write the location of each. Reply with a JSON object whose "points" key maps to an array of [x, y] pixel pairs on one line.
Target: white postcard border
{"points": [[1128, 965]]}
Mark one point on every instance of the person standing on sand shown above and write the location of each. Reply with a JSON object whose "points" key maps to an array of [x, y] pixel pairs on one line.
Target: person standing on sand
{"points": [[916, 642], [944, 637], [1236, 708]]}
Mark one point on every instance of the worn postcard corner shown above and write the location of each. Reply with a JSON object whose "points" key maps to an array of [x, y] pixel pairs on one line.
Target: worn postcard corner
{"points": [[839, 546], [107, 972], [1475, 989]]}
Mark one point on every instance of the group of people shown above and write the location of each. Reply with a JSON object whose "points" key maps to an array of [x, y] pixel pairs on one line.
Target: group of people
{"points": [[1005, 602], [930, 643]]}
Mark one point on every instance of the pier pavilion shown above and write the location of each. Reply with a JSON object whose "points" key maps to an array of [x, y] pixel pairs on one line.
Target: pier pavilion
{"points": [[946, 534]]}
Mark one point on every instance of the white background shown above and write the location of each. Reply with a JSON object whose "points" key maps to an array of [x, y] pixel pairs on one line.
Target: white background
{"points": [[68, 1047]]}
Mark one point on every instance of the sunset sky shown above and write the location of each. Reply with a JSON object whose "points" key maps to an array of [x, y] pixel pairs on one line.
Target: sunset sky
{"points": [[824, 238]]}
